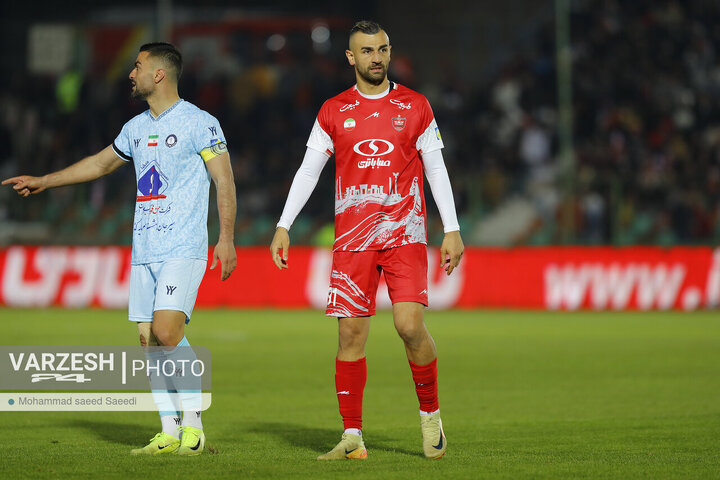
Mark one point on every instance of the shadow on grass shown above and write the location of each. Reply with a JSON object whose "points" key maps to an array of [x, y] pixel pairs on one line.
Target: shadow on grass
{"points": [[323, 440], [116, 432], [319, 440]]}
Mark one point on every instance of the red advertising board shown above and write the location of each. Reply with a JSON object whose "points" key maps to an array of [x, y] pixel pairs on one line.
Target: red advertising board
{"points": [[600, 278]]}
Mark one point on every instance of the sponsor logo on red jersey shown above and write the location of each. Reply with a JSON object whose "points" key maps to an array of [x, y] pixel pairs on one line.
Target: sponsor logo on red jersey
{"points": [[373, 163], [349, 106], [374, 147], [401, 105]]}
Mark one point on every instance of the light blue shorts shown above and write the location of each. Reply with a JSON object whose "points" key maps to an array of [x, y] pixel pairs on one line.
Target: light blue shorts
{"points": [[169, 285]]}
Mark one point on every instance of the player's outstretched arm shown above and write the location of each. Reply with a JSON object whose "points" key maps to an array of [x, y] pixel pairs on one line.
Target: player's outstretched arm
{"points": [[87, 169], [451, 251], [280, 241], [221, 172]]}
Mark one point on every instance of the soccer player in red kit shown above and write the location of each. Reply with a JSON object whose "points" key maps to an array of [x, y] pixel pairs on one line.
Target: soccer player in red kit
{"points": [[382, 135]]}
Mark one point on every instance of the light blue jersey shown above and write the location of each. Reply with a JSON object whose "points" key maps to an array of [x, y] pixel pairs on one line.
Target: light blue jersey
{"points": [[172, 180]]}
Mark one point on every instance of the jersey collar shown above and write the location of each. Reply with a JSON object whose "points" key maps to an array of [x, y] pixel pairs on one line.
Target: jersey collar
{"points": [[166, 111], [392, 86]]}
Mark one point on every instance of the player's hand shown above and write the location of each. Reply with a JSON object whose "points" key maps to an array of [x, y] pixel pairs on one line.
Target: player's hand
{"points": [[26, 185], [451, 251], [224, 252], [281, 241]]}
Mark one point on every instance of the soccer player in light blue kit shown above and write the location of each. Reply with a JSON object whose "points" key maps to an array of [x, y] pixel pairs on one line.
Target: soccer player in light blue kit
{"points": [[176, 149]]}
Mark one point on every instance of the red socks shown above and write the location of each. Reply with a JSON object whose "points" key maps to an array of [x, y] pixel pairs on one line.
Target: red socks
{"points": [[425, 378], [350, 378]]}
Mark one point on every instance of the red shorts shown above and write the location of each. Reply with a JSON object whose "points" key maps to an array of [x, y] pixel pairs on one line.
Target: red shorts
{"points": [[355, 277]]}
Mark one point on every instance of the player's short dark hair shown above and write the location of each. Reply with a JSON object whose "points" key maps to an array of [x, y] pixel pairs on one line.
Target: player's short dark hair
{"points": [[169, 55], [368, 27]]}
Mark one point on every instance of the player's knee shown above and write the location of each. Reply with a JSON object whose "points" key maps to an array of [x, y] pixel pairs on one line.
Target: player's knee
{"points": [[411, 331], [167, 338], [349, 333], [351, 336]]}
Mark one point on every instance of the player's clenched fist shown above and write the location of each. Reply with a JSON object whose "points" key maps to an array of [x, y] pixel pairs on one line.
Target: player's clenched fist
{"points": [[281, 241], [26, 185]]}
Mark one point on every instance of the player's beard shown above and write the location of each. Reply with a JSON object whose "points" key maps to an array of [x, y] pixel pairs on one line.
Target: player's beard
{"points": [[139, 94], [373, 78]]}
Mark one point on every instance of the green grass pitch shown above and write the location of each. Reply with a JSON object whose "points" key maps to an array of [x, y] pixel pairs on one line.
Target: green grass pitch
{"points": [[523, 395]]}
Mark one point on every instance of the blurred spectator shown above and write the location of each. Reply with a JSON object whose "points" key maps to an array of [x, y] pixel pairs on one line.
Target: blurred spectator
{"points": [[646, 101]]}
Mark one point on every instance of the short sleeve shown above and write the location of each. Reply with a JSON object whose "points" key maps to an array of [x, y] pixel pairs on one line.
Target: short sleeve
{"points": [[320, 139], [207, 133], [429, 139], [121, 145]]}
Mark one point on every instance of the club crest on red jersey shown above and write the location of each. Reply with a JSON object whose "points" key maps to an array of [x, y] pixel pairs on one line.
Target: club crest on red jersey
{"points": [[398, 122]]}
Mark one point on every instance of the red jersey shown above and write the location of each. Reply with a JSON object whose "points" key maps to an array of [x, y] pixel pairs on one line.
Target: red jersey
{"points": [[377, 142]]}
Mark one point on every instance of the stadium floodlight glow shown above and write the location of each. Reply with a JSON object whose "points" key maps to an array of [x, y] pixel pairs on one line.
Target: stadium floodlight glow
{"points": [[320, 33], [276, 42]]}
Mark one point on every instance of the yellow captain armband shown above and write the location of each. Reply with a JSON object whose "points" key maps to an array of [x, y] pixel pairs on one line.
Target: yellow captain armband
{"points": [[213, 151]]}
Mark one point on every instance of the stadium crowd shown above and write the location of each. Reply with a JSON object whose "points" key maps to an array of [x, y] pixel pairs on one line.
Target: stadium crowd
{"points": [[646, 97]]}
